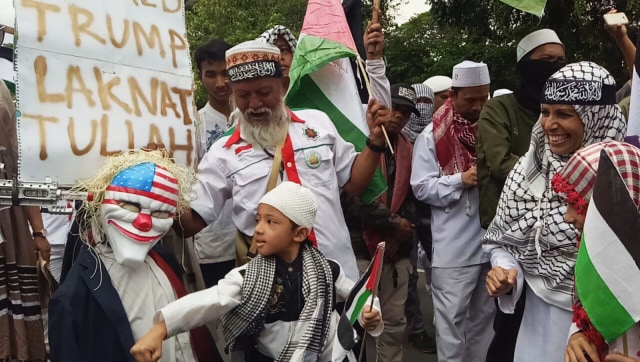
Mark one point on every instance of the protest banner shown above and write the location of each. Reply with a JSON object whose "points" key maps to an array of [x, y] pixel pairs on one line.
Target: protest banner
{"points": [[98, 77]]}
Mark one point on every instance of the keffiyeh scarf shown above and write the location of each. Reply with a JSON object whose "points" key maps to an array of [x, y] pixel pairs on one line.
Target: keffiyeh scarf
{"points": [[529, 222], [579, 174], [455, 139], [271, 35], [417, 124], [243, 323]]}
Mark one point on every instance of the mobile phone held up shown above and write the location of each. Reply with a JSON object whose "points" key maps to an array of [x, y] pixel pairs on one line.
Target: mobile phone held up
{"points": [[615, 19]]}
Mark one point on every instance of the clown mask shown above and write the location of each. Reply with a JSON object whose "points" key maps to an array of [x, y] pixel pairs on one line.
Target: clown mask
{"points": [[137, 210]]}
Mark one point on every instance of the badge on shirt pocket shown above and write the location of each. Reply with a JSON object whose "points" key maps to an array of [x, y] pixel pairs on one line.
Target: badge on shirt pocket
{"points": [[313, 159]]}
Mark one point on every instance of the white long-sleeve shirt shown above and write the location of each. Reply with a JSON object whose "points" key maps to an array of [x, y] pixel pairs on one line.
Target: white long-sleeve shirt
{"points": [[209, 305], [380, 87], [455, 215]]}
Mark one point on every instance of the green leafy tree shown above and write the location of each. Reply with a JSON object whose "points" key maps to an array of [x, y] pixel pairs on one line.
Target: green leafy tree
{"points": [[496, 28], [421, 48], [236, 21]]}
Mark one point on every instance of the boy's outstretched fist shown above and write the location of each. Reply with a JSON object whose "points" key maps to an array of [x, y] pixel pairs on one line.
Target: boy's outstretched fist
{"points": [[370, 318]]}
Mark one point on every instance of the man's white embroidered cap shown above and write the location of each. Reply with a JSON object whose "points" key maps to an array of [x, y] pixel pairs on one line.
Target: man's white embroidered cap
{"points": [[253, 59], [438, 83], [296, 202], [470, 74], [534, 40]]}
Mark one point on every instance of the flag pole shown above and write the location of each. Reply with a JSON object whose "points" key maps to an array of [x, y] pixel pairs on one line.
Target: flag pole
{"points": [[374, 294], [375, 18], [368, 84], [625, 345]]}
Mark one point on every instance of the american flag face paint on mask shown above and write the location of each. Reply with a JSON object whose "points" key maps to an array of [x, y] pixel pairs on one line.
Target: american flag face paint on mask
{"points": [[137, 210]]}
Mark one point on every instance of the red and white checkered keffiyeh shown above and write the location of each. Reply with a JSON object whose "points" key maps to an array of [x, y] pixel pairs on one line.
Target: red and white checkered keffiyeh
{"points": [[575, 181], [455, 139]]}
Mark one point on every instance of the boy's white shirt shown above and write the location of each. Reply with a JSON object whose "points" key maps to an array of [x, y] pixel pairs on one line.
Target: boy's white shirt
{"points": [[206, 307]]}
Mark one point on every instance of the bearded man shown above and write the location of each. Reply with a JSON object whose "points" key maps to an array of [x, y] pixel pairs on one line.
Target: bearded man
{"points": [[239, 165]]}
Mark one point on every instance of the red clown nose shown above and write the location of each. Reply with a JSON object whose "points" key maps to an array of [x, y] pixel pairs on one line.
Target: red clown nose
{"points": [[142, 222]]}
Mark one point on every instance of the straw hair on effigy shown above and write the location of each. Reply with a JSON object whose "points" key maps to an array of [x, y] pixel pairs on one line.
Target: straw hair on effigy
{"points": [[98, 184]]}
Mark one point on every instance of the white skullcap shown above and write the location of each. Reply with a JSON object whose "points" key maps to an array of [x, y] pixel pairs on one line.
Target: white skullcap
{"points": [[534, 40], [253, 59], [501, 92], [470, 74], [294, 201], [438, 83]]}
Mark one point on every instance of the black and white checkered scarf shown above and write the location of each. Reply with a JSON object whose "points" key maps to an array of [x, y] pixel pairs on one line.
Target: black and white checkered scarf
{"points": [[271, 35], [417, 124], [243, 323], [529, 221]]}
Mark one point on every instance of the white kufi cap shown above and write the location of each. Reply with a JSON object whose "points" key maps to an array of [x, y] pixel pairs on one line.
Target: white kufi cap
{"points": [[294, 201], [470, 74], [438, 83], [535, 39], [501, 92]]}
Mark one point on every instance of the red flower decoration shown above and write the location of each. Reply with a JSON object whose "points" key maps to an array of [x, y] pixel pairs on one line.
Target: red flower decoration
{"points": [[561, 186], [582, 321]]}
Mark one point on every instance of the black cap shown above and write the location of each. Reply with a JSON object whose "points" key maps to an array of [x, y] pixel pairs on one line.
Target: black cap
{"points": [[404, 95]]}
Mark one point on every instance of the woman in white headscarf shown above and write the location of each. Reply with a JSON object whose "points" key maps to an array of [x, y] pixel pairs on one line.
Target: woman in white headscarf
{"points": [[532, 248]]}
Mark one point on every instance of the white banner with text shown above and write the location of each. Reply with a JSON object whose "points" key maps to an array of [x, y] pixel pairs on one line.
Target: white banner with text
{"points": [[99, 77]]}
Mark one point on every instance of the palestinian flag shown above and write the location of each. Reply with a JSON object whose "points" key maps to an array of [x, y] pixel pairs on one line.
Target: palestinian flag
{"points": [[608, 267], [535, 7], [633, 122], [358, 298], [322, 78], [7, 74]]}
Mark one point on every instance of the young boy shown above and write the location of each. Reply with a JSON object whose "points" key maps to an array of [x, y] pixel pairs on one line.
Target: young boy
{"points": [[280, 306]]}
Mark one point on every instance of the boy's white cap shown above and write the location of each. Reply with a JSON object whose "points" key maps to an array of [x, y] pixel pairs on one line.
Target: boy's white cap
{"points": [[294, 201]]}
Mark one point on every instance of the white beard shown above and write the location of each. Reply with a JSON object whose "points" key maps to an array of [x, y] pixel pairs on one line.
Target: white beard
{"points": [[265, 135]]}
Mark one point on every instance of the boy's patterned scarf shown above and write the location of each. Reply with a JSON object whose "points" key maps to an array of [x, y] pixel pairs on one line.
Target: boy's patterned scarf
{"points": [[243, 323]]}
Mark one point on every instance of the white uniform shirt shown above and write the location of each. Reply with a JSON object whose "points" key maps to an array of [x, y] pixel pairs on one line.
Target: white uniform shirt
{"points": [[215, 243], [234, 170], [455, 215]]}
